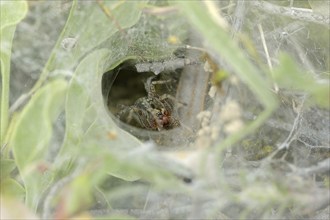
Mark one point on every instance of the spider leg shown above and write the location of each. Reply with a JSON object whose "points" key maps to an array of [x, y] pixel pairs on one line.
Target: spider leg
{"points": [[126, 114], [141, 117], [174, 122], [168, 101], [122, 112], [161, 82], [149, 85], [144, 118], [174, 101], [151, 120], [130, 115]]}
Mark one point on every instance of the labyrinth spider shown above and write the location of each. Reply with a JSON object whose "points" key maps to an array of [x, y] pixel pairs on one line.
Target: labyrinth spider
{"points": [[153, 112]]}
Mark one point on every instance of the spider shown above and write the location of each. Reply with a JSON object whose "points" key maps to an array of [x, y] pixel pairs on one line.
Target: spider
{"points": [[153, 112]]}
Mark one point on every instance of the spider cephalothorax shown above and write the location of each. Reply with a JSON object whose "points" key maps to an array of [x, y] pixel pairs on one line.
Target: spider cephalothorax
{"points": [[153, 112]]}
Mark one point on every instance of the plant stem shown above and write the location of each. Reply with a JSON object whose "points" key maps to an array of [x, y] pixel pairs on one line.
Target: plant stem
{"points": [[8, 34], [4, 102]]}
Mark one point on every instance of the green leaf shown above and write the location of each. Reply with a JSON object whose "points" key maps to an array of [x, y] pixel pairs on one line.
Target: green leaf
{"points": [[9, 186], [75, 196], [88, 122], [87, 28], [288, 74], [6, 166], [11, 12], [12, 208], [12, 188], [31, 136]]}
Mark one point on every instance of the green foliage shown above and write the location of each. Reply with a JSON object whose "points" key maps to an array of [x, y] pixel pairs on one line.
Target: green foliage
{"points": [[31, 135], [87, 121], [302, 81], [12, 188], [11, 12], [7, 166], [97, 38], [9, 186], [221, 42]]}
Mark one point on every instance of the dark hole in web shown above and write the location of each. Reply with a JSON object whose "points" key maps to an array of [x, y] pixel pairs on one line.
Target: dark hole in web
{"points": [[126, 96]]}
